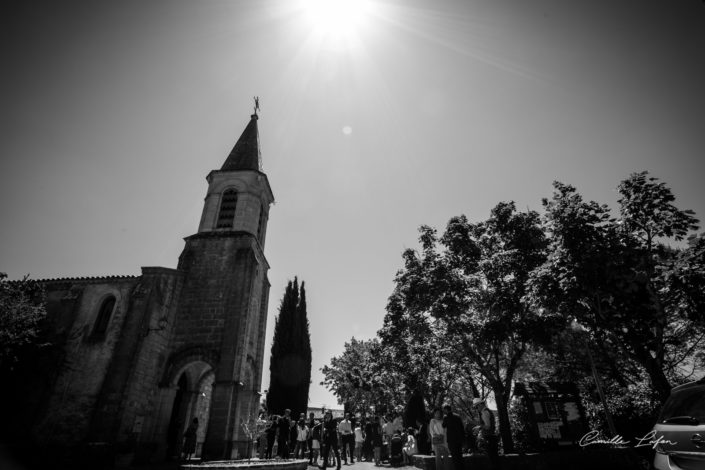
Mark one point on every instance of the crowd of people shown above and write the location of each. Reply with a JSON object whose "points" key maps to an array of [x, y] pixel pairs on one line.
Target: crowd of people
{"points": [[328, 442]]}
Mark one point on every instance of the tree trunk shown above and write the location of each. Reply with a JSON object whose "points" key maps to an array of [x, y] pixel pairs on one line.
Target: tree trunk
{"points": [[659, 381], [505, 429]]}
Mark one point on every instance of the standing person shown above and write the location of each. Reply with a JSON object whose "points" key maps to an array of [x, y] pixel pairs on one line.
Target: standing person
{"points": [[190, 439], [311, 423], [367, 447], [455, 436], [284, 428], [330, 439], [347, 438], [438, 439], [410, 448], [262, 424], [359, 439], [487, 437], [271, 436], [376, 436], [293, 434], [315, 442], [301, 439], [423, 441], [389, 427]]}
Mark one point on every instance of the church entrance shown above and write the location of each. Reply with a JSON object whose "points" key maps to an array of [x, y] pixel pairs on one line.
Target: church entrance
{"points": [[191, 400]]}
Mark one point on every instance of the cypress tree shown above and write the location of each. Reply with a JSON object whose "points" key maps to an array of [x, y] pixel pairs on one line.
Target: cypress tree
{"points": [[290, 363], [305, 348]]}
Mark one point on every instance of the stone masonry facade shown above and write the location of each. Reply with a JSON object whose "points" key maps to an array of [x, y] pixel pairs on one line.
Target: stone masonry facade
{"points": [[136, 358]]}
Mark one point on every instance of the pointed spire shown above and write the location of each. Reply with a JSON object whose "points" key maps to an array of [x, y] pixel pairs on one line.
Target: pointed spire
{"points": [[245, 155]]}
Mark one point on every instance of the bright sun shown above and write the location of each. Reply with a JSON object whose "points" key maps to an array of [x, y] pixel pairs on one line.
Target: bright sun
{"points": [[336, 17]]}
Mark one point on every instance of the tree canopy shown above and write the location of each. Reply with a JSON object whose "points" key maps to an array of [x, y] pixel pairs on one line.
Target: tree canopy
{"points": [[464, 292], [359, 376], [21, 311], [488, 302], [619, 279]]}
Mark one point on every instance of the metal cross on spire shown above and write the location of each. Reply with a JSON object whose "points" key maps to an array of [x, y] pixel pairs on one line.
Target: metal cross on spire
{"points": [[256, 98]]}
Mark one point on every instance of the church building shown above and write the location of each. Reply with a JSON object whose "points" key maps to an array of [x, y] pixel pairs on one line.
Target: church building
{"points": [[136, 358]]}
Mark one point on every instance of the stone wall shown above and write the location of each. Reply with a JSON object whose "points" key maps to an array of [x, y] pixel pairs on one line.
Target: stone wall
{"points": [[82, 358], [220, 311], [136, 373]]}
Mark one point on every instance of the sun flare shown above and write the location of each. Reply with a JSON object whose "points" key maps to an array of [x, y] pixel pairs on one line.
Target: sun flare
{"points": [[336, 17]]}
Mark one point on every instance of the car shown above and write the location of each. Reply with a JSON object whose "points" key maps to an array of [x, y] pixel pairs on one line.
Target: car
{"points": [[679, 434]]}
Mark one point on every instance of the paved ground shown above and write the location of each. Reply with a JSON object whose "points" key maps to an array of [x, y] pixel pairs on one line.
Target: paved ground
{"points": [[362, 466], [356, 466]]}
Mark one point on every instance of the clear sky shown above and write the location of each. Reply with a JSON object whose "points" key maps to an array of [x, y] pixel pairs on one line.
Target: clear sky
{"points": [[393, 114]]}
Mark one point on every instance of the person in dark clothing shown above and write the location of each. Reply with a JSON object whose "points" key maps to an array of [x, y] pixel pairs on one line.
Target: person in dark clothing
{"points": [[455, 436], [487, 437], [317, 437], [284, 427], [190, 439], [330, 439], [367, 447], [292, 435], [311, 423], [423, 442], [376, 433]]}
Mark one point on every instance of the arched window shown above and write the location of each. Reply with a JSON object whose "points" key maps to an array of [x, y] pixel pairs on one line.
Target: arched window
{"points": [[104, 314], [226, 216]]}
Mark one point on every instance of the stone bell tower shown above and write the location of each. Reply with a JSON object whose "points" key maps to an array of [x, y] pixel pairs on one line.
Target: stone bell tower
{"points": [[222, 313]]}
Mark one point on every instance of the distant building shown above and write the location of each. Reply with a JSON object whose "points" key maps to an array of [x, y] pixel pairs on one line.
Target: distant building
{"points": [[138, 357], [318, 412]]}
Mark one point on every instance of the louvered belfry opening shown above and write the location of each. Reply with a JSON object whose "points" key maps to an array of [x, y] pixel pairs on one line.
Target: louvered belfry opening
{"points": [[226, 216]]}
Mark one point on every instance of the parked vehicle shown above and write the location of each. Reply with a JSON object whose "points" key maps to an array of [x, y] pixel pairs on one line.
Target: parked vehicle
{"points": [[679, 433]]}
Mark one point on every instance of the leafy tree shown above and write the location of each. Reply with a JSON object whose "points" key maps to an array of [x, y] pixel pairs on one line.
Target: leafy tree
{"points": [[305, 338], [290, 364], [373, 374], [469, 285], [423, 361], [684, 279], [21, 312], [633, 293], [23, 341], [360, 376]]}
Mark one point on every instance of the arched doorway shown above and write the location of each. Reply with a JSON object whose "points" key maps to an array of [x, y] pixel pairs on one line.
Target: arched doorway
{"points": [[191, 388]]}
